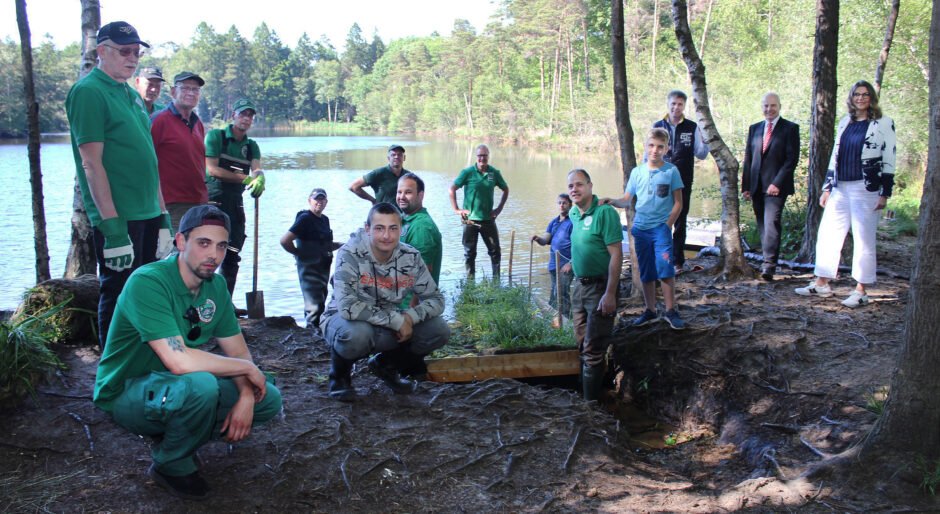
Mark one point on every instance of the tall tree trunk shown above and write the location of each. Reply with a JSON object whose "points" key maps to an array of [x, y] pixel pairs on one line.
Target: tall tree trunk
{"points": [[655, 33], [822, 119], [911, 418], [732, 252], [542, 74], [570, 77], [35, 171], [624, 127], [81, 259], [708, 17], [556, 76], [587, 73], [886, 46]]}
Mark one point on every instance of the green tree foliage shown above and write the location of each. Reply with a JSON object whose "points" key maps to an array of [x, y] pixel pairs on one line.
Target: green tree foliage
{"points": [[539, 72]]}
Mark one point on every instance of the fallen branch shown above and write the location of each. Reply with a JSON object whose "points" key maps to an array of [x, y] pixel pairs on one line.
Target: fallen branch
{"points": [[76, 417], [815, 450], [342, 467], [863, 338], [577, 435], [507, 470], [831, 422], [790, 429], [714, 251]]}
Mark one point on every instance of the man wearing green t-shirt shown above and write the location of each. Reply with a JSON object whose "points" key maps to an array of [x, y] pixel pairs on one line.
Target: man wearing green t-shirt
{"points": [[384, 180], [148, 83], [596, 258], [116, 167], [233, 163], [153, 377], [419, 230], [478, 215]]}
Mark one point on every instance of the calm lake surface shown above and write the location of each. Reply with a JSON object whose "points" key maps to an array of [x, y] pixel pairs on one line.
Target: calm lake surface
{"points": [[295, 165]]}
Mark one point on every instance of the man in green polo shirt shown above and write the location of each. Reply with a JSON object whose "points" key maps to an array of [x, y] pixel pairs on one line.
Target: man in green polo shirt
{"points": [[478, 215], [233, 163], [419, 229], [596, 258], [148, 83], [155, 380], [384, 180], [116, 167]]}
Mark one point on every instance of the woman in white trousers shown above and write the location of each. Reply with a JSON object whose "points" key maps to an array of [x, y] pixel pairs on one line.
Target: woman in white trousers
{"points": [[858, 183]]}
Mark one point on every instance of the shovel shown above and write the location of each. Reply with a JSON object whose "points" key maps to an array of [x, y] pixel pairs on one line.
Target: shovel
{"points": [[255, 298]]}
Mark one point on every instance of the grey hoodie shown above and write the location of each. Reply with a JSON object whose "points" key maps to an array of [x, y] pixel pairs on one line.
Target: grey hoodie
{"points": [[364, 290]]}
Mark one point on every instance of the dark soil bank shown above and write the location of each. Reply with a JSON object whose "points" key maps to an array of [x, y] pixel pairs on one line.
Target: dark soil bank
{"points": [[762, 384]]}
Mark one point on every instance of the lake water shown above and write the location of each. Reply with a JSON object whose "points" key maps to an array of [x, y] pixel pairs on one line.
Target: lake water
{"points": [[295, 165]]}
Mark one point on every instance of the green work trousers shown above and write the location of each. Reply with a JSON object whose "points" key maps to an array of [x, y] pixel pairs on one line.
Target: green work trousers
{"points": [[188, 410]]}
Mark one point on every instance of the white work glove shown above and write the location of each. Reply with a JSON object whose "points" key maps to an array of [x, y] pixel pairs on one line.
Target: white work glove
{"points": [[118, 251], [164, 237]]}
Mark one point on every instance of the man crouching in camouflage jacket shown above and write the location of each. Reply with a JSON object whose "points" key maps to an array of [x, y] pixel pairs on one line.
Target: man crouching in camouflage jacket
{"points": [[375, 272]]}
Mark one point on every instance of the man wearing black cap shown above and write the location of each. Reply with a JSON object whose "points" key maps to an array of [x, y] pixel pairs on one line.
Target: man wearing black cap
{"points": [[148, 83], [154, 379], [116, 166], [178, 138], [384, 180], [233, 163]]}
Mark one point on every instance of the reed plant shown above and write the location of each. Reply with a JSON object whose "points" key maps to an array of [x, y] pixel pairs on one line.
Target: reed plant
{"points": [[495, 318]]}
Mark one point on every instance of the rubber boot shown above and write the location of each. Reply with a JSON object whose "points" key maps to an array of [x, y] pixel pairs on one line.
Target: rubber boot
{"points": [[471, 268], [410, 364], [383, 366], [592, 379], [495, 267], [341, 387]]}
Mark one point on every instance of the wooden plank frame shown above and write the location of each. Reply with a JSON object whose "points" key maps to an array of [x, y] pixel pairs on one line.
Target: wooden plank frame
{"points": [[513, 365]]}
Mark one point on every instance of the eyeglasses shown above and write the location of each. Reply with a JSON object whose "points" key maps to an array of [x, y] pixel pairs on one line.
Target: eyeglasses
{"points": [[192, 316], [483, 156], [126, 52], [860, 95], [188, 89]]}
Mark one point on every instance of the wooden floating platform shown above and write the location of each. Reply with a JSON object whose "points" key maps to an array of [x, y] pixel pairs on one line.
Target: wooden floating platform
{"points": [[511, 365]]}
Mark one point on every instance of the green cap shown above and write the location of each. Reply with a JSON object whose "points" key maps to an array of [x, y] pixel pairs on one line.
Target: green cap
{"points": [[242, 104]]}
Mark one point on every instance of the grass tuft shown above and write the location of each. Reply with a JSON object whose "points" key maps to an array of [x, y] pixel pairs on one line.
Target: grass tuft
{"points": [[931, 475], [32, 494], [875, 400], [25, 357], [491, 317]]}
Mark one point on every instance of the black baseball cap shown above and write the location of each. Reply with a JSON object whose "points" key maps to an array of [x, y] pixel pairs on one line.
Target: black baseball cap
{"points": [[204, 215], [396, 147], [151, 72], [188, 75], [120, 32], [317, 193]]}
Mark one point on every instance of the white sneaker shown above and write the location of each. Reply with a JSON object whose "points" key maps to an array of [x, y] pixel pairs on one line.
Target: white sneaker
{"points": [[814, 290], [856, 299]]}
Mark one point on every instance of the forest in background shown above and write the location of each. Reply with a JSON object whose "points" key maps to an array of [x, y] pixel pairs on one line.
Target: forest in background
{"points": [[539, 73]]}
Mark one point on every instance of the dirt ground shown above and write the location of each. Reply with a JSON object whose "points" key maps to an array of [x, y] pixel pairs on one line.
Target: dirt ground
{"points": [[762, 384]]}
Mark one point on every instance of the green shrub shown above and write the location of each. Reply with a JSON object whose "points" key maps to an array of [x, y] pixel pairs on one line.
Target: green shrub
{"points": [[792, 229], [25, 357], [492, 317], [931, 475]]}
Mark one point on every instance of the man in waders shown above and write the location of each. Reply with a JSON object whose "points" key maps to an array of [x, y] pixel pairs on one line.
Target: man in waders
{"points": [[596, 258], [233, 163], [384, 180], [153, 377]]}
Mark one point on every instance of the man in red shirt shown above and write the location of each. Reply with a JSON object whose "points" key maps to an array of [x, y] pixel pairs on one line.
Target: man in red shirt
{"points": [[179, 140]]}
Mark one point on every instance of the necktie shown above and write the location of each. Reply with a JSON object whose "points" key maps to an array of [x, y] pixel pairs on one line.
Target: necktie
{"points": [[770, 130]]}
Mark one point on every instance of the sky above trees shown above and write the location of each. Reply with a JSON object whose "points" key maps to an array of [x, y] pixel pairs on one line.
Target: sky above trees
{"points": [[176, 20]]}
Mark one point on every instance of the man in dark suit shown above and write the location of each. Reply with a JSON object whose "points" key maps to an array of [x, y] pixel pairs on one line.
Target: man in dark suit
{"points": [[771, 154]]}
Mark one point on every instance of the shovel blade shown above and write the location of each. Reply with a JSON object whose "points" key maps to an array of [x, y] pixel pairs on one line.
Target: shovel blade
{"points": [[255, 304]]}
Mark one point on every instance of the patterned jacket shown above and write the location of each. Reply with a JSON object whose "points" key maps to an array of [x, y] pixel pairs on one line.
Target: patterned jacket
{"points": [[878, 156], [364, 290]]}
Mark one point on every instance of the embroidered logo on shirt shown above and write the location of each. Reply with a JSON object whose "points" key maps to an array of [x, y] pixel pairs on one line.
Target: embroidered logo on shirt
{"points": [[245, 151], [587, 220], [206, 311]]}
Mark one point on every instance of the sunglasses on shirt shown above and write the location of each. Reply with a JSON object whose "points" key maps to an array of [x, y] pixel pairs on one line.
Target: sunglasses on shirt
{"points": [[192, 316]]}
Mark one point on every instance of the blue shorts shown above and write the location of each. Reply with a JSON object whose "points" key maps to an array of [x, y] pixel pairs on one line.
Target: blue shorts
{"points": [[654, 252]]}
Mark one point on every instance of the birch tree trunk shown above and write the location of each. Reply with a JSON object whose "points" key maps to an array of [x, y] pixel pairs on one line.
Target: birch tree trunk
{"points": [[886, 46], [655, 34], [81, 258], [732, 252], [822, 119], [708, 17], [35, 171]]}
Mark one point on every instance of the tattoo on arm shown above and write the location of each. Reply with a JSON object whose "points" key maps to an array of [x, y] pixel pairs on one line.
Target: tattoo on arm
{"points": [[176, 343]]}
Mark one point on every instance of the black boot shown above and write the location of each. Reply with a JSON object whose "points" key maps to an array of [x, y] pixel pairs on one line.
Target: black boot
{"points": [[410, 364], [592, 379], [495, 267], [340, 378], [383, 366]]}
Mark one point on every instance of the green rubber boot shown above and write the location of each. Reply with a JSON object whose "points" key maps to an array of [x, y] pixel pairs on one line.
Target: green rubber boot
{"points": [[592, 379]]}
